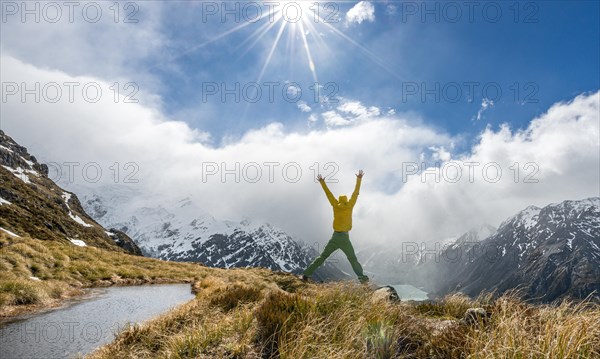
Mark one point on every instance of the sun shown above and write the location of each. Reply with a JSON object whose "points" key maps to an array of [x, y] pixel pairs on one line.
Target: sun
{"points": [[302, 22], [298, 18]]}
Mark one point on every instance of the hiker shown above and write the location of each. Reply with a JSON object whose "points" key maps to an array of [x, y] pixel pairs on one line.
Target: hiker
{"points": [[342, 224]]}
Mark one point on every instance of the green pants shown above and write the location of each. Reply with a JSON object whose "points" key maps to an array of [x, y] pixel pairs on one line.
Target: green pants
{"points": [[339, 240]]}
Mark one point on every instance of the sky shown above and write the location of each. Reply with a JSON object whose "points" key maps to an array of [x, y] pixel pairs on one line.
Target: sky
{"points": [[192, 89]]}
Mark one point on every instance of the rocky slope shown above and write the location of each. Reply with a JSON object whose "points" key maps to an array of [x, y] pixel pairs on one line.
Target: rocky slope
{"points": [[549, 253], [32, 204]]}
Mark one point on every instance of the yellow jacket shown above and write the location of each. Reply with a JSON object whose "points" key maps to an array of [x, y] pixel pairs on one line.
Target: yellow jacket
{"points": [[342, 208]]}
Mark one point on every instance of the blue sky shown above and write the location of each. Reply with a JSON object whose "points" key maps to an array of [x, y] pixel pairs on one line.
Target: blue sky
{"points": [[536, 53], [373, 52]]}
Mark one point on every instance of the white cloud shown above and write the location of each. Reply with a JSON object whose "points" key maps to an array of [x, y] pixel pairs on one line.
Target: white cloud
{"points": [[563, 143], [334, 119], [440, 154], [293, 91], [303, 106], [350, 112], [110, 49], [362, 11], [485, 104], [356, 109]]}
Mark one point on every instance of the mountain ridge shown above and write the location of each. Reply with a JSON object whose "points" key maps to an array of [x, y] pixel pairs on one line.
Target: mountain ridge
{"points": [[549, 253], [32, 204], [180, 230]]}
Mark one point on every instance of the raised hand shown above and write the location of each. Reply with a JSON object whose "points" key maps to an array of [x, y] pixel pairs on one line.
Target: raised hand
{"points": [[360, 174], [320, 178]]}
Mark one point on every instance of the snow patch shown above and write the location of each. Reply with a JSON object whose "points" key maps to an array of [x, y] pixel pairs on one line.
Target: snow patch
{"points": [[3, 201], [78, 219], [19, 173], [35, 278], [78, 242], [67, 196], [570, 241], [29, 163], [9, 232], [529, 216]]}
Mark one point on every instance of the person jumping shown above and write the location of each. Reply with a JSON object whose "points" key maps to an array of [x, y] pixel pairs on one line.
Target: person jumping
{"points": [[342, 224]]}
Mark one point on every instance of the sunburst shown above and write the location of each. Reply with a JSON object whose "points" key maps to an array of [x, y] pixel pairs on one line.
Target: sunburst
{"points": [[303, 21]]}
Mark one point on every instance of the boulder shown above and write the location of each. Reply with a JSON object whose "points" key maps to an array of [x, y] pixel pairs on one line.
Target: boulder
{"points": [[475, 317], [386, 293]]}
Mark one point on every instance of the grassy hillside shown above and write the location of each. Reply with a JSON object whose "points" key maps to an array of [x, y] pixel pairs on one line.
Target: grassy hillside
{"points": [[250, 318], [36, 274], [250, 313]]}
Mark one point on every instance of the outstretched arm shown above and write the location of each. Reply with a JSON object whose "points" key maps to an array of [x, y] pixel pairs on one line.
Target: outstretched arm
{"points": [[328, 193], [356, 187]]}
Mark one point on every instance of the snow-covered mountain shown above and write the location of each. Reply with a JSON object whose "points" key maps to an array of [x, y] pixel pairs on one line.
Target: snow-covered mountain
{"points": [[182, 231], [550, 252]]}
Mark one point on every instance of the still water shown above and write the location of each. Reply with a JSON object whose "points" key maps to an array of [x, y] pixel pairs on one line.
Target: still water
{"points": [[82, 327], [408, 292]]}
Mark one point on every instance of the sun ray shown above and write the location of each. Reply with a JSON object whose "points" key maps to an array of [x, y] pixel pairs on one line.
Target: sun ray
{"points": [[256, 36], [270, 56], [310, 26], [367, 52], [218, 37], [291, 49], [311, 63], [298, 35]]}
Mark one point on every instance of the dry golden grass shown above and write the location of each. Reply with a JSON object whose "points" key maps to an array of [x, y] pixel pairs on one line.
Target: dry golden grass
{"points": [[253, 313], [520, 330], [36, 274], [340, 320]]}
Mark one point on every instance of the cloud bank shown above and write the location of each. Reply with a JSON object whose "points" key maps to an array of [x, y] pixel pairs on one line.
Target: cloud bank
{"points": [[405, 197]]}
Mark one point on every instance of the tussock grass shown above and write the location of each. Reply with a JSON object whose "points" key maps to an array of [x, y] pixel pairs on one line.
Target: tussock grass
{"points": [[340, 320], [453, 306], [563, 330], [256, 313], [232, 296]]}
